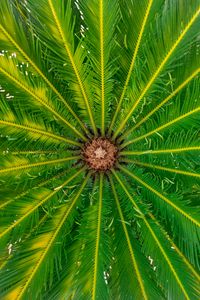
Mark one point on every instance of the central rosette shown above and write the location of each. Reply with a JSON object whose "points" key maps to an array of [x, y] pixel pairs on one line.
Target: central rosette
{"points": [[100, 154]]}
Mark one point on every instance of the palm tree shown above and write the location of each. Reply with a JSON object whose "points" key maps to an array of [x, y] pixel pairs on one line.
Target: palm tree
{"points": [[99, 139]]}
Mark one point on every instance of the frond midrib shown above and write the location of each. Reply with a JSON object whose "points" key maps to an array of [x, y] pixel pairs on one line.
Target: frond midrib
{"points": [[156, 130], [176, 91], [60, 30], [31, 92], [54, 235], [154, 236], [98, 235], [55, 191], [152, 166], [165, 199], [38, 131], [134, 261], [101, 26], [161, 151], [38, 164], [131, 64], [35, 67]]}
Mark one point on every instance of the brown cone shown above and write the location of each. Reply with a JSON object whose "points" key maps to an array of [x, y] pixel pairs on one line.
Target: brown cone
{"points": [[100, 154]]}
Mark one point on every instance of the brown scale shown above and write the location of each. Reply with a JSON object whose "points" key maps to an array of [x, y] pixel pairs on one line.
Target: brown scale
{"points": [[100, 154]]}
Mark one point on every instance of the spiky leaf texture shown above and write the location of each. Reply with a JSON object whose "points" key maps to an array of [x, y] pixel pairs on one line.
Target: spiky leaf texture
{"points": [[126, 71]]}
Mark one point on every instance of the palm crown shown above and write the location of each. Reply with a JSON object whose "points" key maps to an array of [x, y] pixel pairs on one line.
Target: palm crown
{"points": [[99, 167]]}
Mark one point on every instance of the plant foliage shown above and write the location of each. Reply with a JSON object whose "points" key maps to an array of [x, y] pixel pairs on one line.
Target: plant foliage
{"points": [[126, 71]]}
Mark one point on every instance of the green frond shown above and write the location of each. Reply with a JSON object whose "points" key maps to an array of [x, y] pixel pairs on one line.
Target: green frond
{"points": [[62, 49], [23, 166], [10, 198], [132, 61], [21, 207], [165, 254], [137, 266], [22, 129], [172, 210], [26, 50], [167, 99], [178, 119], [178, 208], [35, 152], [9, 69], [96, 257], [183, 172], [161, 151], [154, 245], [35, 131], [184, 114], [175, 143], [31, 171], [173, 83], [93, 256], [177, 40], [189, 265], [99, 16], [40, 247]]}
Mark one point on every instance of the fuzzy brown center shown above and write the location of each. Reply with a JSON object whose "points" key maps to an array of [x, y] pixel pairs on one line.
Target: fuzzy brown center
{"points": [[100, 154]]}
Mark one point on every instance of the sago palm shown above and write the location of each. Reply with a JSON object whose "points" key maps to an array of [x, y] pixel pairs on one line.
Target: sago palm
{"points": [[99, 139]]}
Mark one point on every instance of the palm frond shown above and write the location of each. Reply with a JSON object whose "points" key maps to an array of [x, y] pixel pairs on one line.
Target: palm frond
{"points": [[174, 143], [177, 207], [59, 38], [46, 241], [21, 127], [157, 167], [174, 246], [35, 131], [130, 70], [155, 247], [168, 208], [90, 277], [26, 50], [100, 42], [9, 70], [22, 166], [183, 113], [177, 40], [144, 290], [172, 150], [168, 98]]}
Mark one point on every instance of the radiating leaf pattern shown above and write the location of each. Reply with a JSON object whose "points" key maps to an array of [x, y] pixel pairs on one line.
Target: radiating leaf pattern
{"points": [[122, 76]]}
